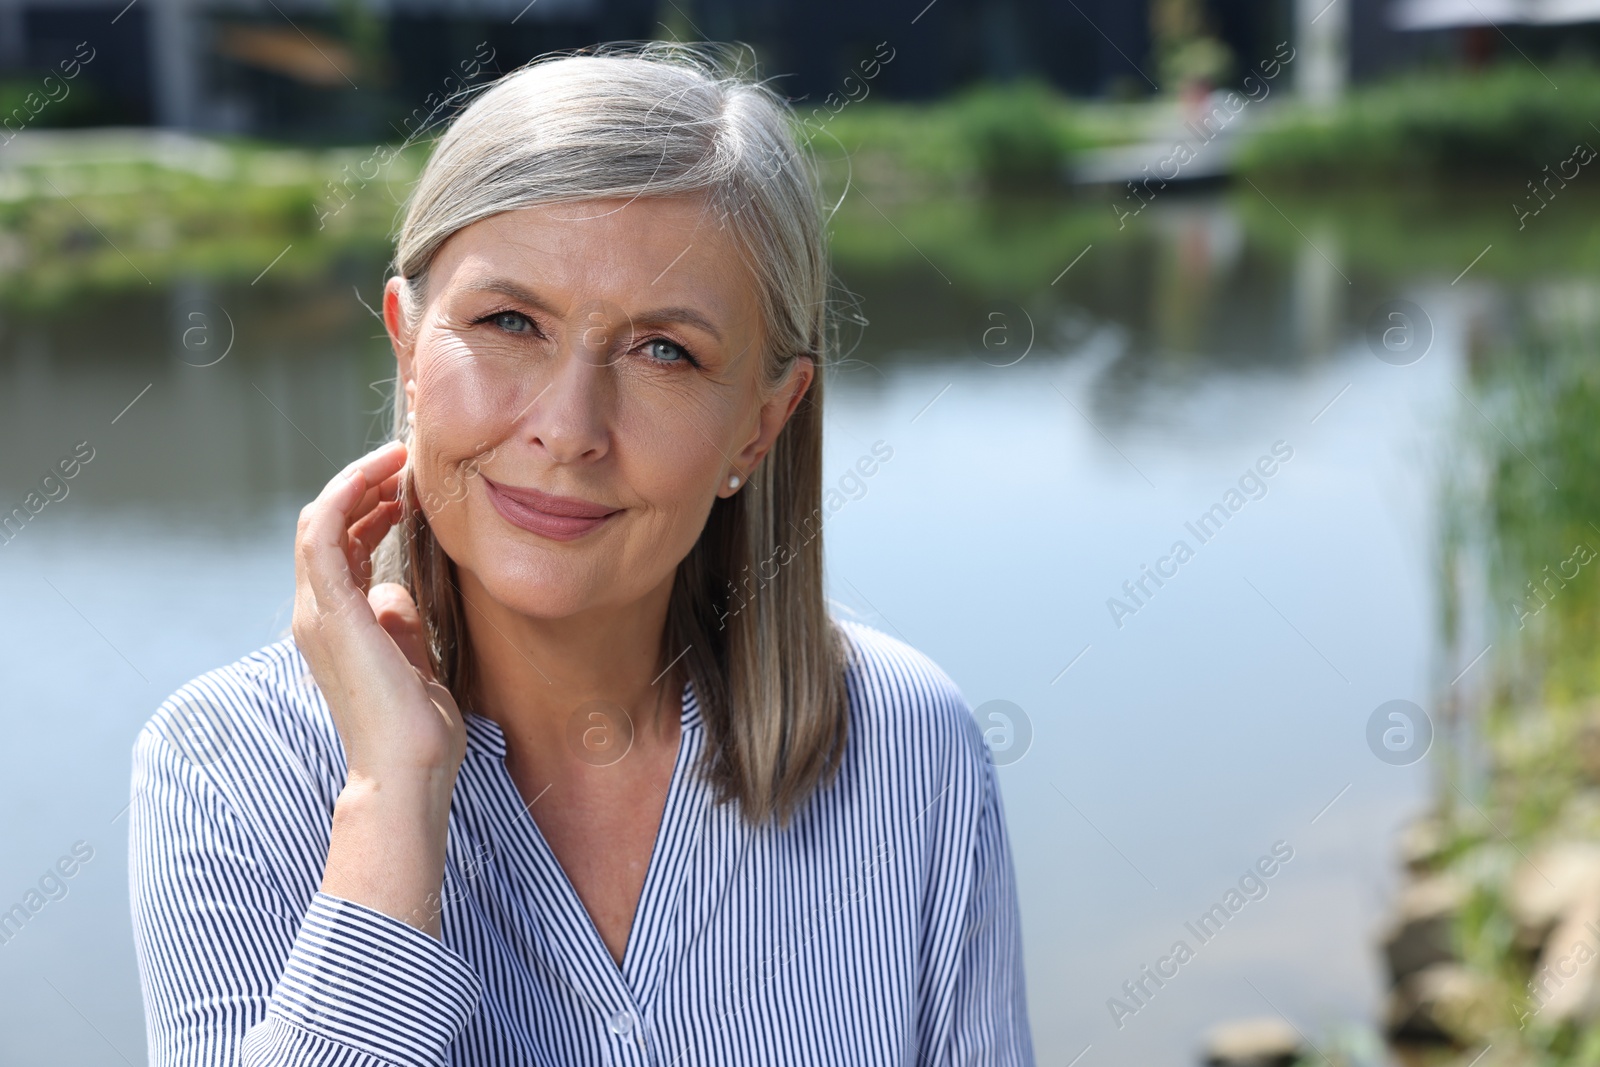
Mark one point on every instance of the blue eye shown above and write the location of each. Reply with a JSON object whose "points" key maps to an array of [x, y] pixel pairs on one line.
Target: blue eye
{"points": [[672, 346], [512, 321]]}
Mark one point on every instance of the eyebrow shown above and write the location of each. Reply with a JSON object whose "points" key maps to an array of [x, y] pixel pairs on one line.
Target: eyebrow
{"points": [[675, 313]]}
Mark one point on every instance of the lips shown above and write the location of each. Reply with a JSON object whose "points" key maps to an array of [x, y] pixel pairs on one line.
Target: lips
{"points": [[560, 518]]}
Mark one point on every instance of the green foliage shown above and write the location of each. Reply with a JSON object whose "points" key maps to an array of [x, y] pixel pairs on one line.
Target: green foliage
{"points": [[1430, 125], [1016, 136], [32, 103], [86, 222], [1542, 499], [1529, 430], [1019, 135]]}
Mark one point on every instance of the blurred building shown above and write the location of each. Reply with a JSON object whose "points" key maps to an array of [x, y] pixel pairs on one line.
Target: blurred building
{"points": [[341, 69], [1476, 31], [315, 68]]}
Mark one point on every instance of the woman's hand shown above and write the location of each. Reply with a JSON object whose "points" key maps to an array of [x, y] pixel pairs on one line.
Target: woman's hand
{"points": [[403, 735], [366, 648]]}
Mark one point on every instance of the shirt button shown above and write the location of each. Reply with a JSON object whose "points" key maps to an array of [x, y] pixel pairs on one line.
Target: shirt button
{"points": [[621, 1023]]}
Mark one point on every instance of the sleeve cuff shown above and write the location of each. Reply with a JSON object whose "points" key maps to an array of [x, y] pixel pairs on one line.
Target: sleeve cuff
{"points": [[370, 981]]}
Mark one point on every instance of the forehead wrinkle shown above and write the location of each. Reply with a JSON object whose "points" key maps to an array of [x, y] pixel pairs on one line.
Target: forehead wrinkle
{"points": [[464, 258], [726, 269]]}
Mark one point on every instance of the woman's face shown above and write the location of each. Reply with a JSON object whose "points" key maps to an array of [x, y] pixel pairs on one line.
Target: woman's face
{"points": [[606, 352]]}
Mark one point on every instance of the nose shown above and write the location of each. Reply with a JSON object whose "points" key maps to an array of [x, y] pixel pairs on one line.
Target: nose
{"points": [[571, 415]]}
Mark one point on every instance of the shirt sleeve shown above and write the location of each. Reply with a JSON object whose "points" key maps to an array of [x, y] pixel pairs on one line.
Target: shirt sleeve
{"points": [[989, 1009], [234, 973], [974, 998]]}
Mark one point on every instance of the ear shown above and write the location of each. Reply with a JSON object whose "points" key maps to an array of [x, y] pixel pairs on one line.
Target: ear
{"points": [[774, 415], [401, 341]]}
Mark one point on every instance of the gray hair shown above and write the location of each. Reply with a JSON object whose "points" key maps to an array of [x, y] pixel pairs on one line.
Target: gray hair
{"points": [[662, 119]]}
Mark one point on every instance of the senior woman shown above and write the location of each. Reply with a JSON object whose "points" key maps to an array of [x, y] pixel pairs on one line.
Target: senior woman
{"points": [[565, 761]]}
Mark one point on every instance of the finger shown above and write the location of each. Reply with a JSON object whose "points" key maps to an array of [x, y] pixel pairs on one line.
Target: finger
{"points": [[326, 587], [370, 528], [327, 519], [383, 462], [376, 494], [364, 538], [390, 486], [320, 562], [397, 613], [374, 467], [386, 490]]}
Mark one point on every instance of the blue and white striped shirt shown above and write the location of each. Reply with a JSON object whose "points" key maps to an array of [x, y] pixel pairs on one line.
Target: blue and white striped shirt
{"points": [[879, 927]]}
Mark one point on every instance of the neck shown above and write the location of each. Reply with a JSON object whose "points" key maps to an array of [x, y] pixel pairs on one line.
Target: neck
{"points": [[534, 676]]}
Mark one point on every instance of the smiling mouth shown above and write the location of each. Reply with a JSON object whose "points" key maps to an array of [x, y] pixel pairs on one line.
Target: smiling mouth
{"points": [[555, 517]]}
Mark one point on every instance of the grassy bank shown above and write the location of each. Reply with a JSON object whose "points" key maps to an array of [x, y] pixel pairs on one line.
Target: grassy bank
{"points": [[1456, 127], [107, 210], [987, 140], [1524, 786]]}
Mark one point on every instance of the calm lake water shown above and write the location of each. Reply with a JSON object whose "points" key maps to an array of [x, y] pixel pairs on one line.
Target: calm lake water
{"points": [[1171, 746]]}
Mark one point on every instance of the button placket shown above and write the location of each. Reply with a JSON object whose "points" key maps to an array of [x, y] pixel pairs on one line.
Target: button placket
{"points": [[616, 995], [626, 1036], [652, 939]]}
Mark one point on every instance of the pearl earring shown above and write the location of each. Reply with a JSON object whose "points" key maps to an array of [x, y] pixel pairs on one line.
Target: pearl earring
{"points": [[733, 481]]}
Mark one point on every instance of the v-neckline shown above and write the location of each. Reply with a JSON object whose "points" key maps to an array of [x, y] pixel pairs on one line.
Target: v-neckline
{"points": [[685, 797]]}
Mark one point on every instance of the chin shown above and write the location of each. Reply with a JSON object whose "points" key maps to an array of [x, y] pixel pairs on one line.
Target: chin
{"points": [[531, 583]]}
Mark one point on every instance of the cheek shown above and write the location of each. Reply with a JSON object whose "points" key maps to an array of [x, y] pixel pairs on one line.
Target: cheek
{"points": [[457, 394], [671, 455], [675, 446], [460, 414]]}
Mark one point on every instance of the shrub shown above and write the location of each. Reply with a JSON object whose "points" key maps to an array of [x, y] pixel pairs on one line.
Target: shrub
{"points": [[998, 136], [1017, 135], [1507, 120]]}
